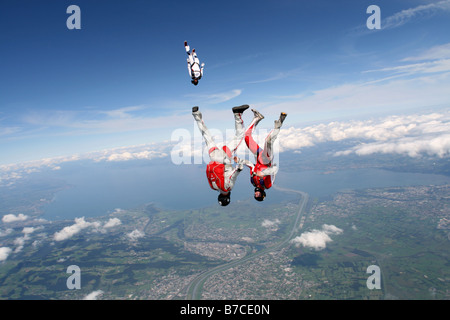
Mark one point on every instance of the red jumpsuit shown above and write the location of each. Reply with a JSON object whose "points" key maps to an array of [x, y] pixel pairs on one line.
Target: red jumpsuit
{"points": [[263, 159], [215, 173]]}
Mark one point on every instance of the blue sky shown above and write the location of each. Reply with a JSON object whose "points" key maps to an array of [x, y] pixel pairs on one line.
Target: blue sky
{"points": [[122, 79]]}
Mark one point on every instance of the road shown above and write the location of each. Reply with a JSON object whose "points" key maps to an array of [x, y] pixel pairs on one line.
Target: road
{"points": [[194, 289]]}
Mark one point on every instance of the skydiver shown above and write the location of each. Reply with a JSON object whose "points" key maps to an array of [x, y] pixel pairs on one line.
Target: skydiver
{"points": [[220, 172], [262, 174], [194, 66]]}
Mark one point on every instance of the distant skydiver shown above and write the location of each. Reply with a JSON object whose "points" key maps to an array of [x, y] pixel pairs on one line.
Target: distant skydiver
{"points": [[262, 174], [194, 66], [219, 171]]}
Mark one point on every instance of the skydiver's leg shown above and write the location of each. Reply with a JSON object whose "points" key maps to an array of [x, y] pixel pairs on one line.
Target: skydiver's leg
{"points": [[215, 153], [190, 60], [251, 144], [210, 143], [267, 154], [194, 55], [239, 128], [191, 56]]}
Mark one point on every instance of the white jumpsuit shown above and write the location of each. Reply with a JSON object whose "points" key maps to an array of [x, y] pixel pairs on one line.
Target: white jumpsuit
{"points": [[193, 64]]}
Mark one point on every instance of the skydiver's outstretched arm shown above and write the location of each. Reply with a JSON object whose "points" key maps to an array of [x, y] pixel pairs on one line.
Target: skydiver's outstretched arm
{"points": [[190, 59], [244, 162], [235, 172], [229, 183]]}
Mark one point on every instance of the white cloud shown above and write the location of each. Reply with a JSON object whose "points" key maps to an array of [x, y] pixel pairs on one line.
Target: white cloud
{"points": [[434, 60], [112, 223], [436, 66], [270, 223], [317, 239], [8, 218], [433, 53], [390, 92], [6, 232], [81, 224], [414, 147], [93, 295], [412, 135], [407, 15], [70, 231], [122, 112], [4, 253], [135, 235], [331, 229], [20, 242], [28, 230], [125, 156]]}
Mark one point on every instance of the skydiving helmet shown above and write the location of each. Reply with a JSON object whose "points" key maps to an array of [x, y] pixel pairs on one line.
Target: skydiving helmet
{"points": [[262, 196], [224, 199]]}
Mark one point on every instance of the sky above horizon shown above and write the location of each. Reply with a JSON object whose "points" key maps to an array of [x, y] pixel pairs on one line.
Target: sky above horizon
{"points": [[122, 80]]}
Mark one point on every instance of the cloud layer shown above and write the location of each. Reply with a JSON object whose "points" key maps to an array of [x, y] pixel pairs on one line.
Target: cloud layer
{"points": [[411, 135], [12, 172]]}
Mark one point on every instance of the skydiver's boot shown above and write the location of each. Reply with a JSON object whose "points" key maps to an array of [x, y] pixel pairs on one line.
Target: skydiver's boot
{"points": [[240, 109], [279, 122], [257, 116], [196, 113], [239, 126]]}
